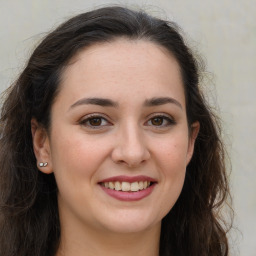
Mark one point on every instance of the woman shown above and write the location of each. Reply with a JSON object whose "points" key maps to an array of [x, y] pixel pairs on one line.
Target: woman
{"points": [[108, 146]]}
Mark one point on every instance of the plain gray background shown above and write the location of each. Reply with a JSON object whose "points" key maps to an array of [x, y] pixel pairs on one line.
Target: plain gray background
{"points": [[224, 32]]}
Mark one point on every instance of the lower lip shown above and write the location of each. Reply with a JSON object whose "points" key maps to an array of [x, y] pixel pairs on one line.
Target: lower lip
{"points": [[129, 196]]}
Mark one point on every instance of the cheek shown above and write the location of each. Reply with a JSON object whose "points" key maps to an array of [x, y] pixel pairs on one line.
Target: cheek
{"points": [[76, 161], [172, 154], [173, 166], [172, 163], [76, 156]]}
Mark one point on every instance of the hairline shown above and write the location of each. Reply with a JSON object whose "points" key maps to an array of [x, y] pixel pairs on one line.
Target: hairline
{"points": [[74, 58]]}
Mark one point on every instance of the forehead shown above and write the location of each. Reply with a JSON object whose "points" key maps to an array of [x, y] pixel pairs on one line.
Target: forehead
{"points": [[121, 50], [122, 66]]}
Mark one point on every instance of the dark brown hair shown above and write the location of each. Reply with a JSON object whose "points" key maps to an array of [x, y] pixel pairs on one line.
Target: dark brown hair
{"points": [[29, 221]]}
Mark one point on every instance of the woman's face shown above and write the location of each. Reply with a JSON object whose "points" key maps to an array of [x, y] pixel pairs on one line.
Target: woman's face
{"points": [[119, 143]]}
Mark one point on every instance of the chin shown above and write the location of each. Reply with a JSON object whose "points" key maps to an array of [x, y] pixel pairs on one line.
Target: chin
{"points": [[130, 221]]}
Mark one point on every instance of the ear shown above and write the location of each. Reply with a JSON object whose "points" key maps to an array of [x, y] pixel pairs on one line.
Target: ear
{"points": [[41, 146], [194, 130]]}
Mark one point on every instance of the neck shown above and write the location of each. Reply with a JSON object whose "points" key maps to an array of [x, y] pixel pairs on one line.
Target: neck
{"points": [[93, 243]]}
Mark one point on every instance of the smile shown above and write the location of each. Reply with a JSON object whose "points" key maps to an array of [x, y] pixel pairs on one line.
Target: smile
{"points": [[126, 186]]}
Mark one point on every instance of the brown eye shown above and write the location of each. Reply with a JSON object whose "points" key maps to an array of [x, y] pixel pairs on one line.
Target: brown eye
{"points": [[95, 121], [161, 121], [157, 121]]}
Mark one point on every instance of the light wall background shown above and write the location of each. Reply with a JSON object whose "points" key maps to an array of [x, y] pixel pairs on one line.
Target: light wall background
{"points": [[223, 31]]}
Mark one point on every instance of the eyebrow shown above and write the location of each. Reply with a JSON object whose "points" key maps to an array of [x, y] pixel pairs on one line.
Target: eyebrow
{"points": [[95, 101], [110, 103], [161, 101]]}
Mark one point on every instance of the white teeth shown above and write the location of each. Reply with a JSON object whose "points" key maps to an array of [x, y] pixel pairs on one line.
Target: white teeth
{"points": [[118, 185], [135, 186], [127, 186], [111, 185]]}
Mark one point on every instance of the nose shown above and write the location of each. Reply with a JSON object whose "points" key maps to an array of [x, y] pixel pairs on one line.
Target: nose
{"points": [[130, 147]]}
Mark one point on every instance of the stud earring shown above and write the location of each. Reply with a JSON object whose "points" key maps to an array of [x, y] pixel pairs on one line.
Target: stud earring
{"points": [[43, 164]]}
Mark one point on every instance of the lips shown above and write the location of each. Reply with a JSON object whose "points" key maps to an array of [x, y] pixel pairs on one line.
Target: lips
{"points": [[127, 188]]}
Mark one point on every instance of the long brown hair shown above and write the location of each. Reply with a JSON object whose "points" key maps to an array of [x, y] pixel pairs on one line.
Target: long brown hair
{"points": [[29, 221]]}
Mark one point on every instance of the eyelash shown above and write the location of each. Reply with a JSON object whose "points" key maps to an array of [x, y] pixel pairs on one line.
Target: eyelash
{"points": [[165, 119], [169, 121], [85, 122]]}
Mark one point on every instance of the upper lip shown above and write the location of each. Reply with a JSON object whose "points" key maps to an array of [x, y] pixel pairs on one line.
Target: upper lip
{"points": [[124, 178]]}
